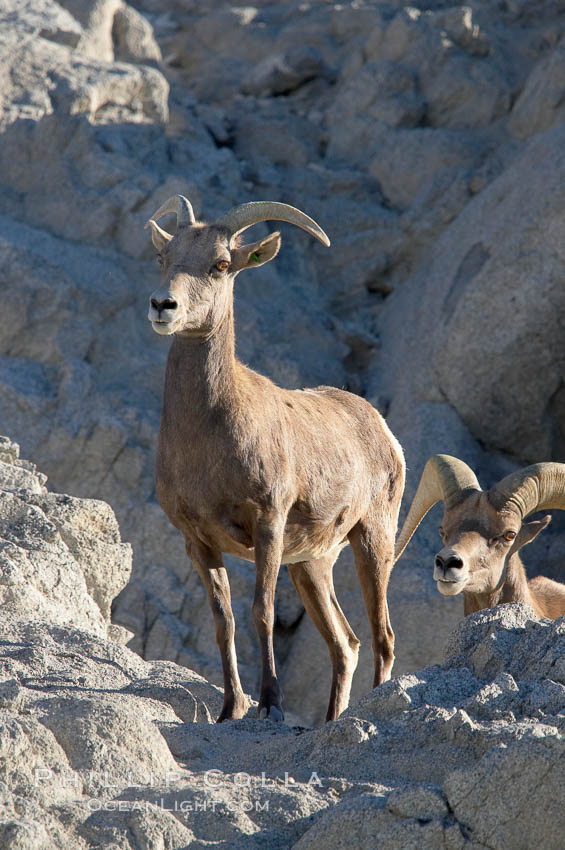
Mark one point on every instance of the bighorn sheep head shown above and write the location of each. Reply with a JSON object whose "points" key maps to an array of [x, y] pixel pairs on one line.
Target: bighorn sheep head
{"points": [[199, 263], [481, 530]]}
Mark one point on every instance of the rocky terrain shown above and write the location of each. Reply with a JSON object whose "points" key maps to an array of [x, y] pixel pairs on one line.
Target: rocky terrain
{"points": [[102, 750], [428, 140]]}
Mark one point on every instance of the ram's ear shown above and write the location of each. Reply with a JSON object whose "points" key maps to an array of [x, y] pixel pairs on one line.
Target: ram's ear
{"points": [[530, 531], [256, 254]]}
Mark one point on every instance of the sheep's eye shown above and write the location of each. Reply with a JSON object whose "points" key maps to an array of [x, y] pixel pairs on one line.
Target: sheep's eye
{"points": [[160, 259], [222, 266], [441, 532], [509, 535]]}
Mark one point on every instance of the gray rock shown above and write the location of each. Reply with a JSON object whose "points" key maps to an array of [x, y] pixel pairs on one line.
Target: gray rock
{"points": [[478, 286], [540, 105], [283, 73], [417, 802], [383, 91], [281, 141], [133, 37], [462, 28], [61, 559], [99, 747], [526, 777], [46, 19], [435, 151], [96, 20], [510, 650], [16, 473], [449, 315]]}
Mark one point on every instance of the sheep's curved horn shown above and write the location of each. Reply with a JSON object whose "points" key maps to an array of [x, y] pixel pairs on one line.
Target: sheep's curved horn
{"points": [[243, 216], [179, 205], [534, 488], [443, 480]]}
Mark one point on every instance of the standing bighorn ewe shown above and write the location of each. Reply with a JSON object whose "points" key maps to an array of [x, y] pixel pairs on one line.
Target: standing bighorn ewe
{"points": [[270, 475], [483, 532]]}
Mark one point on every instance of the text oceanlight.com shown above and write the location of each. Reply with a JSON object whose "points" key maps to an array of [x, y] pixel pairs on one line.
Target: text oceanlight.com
{"points": [[184, 806]]}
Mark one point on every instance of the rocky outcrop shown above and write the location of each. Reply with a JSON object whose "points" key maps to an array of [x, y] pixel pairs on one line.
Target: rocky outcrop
{"points": [[61, 558], [426, 139], [102, 749]]}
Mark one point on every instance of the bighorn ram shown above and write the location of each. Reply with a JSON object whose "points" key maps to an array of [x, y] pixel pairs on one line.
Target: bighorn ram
{"points": [[270, 475], [483, 532]]}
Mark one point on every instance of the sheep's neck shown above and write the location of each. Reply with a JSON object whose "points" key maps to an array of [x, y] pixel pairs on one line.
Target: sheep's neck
{"points": [[202, 375], [514, 589]]}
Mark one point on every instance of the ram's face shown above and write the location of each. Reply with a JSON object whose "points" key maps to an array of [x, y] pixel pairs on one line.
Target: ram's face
{"points": [[200, 261], [198, 267], [477, 541], [196, 282]]}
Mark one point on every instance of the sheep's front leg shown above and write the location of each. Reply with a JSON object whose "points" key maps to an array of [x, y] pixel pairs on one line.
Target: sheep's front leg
{"points": [[268, 541], [211, 570]]}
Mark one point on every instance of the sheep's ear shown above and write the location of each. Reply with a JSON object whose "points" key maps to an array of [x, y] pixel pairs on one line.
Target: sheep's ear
{"points": [[530, 531], [256, 254], [159, 237]]}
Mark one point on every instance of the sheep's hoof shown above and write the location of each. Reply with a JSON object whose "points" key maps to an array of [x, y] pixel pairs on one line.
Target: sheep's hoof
{"points": [[272, 713], [234, 709]]}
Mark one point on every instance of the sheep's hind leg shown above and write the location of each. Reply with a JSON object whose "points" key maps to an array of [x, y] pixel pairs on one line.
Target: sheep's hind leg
{"points": [[268, 543], [211, 570], [372, 542], [313, 581]]}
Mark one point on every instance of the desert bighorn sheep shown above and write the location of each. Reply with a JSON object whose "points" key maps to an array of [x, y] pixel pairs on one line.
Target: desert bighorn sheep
{"points": [[270, 475], [483, 532]]}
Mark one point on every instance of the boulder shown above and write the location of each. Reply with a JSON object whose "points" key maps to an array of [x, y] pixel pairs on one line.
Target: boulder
{"points": [[61, 559], [384, 91], [283, 73], [541, 102], [96, 20], [46, 19], [133, 37]]}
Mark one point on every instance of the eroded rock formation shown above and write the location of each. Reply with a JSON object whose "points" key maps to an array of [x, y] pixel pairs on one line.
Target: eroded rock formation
{"points": [[102, 749]]}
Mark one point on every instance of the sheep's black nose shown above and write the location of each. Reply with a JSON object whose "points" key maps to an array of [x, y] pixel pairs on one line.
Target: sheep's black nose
{"points": [[165, 304], [452, 563]]}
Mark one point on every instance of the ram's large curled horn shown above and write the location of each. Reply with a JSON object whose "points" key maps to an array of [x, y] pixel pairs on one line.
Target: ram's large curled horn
{"points": [[245, 215], [534, 488], [177, 204], [444, 479]]}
